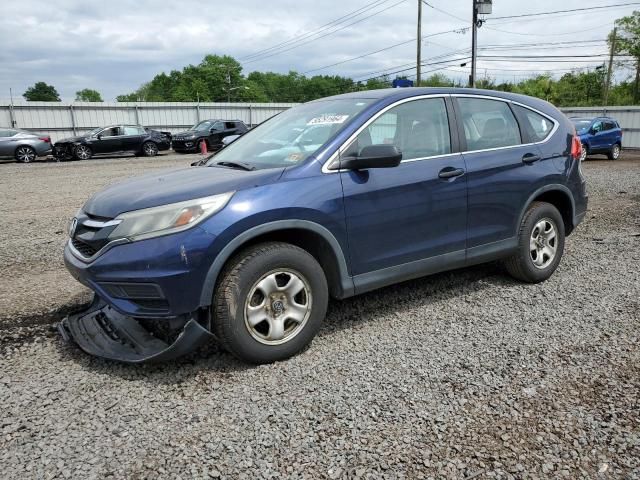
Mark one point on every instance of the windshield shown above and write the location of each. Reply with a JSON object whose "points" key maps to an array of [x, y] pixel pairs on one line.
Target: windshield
{"points": [[292, 136], [202, 126], [582, 125]]}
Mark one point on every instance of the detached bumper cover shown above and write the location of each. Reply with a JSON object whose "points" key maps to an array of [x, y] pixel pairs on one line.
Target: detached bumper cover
{"points": [[103, 332]]}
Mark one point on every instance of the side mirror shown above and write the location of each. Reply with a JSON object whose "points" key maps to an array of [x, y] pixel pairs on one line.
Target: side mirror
{"points": [[99, 136], [373, 156]]}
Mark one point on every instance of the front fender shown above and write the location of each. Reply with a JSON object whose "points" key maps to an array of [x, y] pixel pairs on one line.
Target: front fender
{"points": [[231, 247]]}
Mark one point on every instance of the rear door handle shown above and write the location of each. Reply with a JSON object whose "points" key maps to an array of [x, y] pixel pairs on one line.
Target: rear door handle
{"points": [[450, 172], [530, 158]]}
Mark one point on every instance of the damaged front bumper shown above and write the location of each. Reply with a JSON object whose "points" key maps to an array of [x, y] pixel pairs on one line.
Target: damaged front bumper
{"points": [[102, 331]]}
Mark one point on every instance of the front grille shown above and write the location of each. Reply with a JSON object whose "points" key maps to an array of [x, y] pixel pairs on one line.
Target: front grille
{"points": [[84, 249]]}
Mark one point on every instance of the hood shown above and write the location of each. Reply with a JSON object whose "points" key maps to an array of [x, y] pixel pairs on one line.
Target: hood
{"points": [[174, 186], [72, 139], [189, 132]]}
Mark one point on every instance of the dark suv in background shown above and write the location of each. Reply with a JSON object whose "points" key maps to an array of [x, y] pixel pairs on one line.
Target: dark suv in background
{"points": [[209, 131], [331, 198], [599, 135]]}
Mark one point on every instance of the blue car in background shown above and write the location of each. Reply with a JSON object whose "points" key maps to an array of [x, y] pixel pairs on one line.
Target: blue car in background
{"points": [[599, 135], [329, 199]]}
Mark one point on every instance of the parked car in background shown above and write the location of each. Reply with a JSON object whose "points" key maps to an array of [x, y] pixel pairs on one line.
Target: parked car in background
{"points": [[211, 132], [113, 139], [331, 198], [599, 135], [24, 146]]}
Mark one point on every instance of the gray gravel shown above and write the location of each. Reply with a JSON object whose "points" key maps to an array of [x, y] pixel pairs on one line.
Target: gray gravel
{"points": [[465, 374]]}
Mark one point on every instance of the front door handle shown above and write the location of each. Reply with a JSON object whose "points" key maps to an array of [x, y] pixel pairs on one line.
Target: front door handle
{"points": [[450, 172], [530, 158]]}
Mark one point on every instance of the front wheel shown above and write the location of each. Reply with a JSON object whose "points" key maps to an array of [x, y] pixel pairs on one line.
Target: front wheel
{"points": [[270, 302], [614, 153], [583, 153], [25, 154], [540, 244], [82, 152], [149, 149]]}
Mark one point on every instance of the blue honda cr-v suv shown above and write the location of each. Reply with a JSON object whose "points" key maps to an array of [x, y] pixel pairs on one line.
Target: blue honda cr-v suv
{"points": [[331, 198], [599, 135]]}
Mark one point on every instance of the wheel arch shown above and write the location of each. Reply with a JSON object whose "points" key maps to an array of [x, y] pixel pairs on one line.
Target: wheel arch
{"points": [[310, 236], [560, 197]]}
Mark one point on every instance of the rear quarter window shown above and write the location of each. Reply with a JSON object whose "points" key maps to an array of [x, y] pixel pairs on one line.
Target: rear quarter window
{"points": [[536, 126]]}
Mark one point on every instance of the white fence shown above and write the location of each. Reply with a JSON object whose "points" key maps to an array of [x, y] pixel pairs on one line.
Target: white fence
{"points": [[61, 120]]}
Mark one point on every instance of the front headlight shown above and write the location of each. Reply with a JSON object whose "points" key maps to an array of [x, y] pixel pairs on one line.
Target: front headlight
{"points": [[166, 219]]}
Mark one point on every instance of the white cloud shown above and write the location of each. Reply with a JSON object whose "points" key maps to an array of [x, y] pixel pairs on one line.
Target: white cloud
{"points": [[115, 46]]}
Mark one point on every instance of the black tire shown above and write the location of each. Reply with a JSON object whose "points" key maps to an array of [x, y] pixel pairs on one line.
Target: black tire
{"points": [[614, 152], [82, 152], [241, 277], [521, 265], [25, 154], [149, 149]]}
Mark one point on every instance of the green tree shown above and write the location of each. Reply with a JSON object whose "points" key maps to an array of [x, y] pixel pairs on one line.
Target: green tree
{"points": [[41, 92], [88, 95], [628, 43]]}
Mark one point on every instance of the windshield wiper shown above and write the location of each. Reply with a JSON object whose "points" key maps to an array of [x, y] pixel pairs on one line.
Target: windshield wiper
{"points": [[239, 165]]}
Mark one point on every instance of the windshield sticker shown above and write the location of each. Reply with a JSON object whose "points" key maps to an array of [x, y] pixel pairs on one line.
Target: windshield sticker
{"points": [[295, 157], [327, 119]]}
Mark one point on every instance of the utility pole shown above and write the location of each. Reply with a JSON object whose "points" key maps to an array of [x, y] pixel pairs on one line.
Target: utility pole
{"points": [[607, 85], [419, 44], [474, 43]]}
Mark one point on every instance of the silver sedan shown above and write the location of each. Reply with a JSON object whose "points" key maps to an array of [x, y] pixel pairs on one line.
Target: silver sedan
{"points": [[24, 146]]}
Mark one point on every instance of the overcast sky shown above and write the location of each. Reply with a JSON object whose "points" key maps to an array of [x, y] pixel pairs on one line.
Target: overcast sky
{"points": [[115, 46]]}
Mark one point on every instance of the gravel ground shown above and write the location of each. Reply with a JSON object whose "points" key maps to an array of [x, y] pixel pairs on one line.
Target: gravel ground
{"points": [[465, 374]]}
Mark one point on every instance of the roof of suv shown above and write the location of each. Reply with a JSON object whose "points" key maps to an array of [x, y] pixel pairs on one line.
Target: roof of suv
{"points": [[394, 94]]}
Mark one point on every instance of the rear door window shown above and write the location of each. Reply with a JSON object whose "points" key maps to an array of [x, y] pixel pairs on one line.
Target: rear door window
{"points": [[488, 124], [538, 127], [132, 131]]}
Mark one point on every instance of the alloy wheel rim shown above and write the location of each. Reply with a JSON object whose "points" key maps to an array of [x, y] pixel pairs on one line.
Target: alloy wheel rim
{"points": [[616, 152], [26, 155], [82, 152], [150, 149], [583, 154], [543, 243], [278, 307]]}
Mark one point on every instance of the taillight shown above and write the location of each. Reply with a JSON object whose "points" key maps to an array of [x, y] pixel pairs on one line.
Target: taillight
{"points": [[576, 147], [45, 139]]}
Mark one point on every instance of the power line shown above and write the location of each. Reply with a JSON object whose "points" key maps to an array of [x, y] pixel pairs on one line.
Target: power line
{"points": [[566, 11], [383, 49], [297, 45], [326, 26]]}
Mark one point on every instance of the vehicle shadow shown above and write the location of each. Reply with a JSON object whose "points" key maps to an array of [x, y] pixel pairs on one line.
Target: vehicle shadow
{"points": [[342, 315]]}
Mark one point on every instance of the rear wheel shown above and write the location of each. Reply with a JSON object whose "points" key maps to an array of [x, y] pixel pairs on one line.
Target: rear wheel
{"points": [[270, 302], [149, 149], [82, 152], [540, 244], [25, 154], [614, 153]]}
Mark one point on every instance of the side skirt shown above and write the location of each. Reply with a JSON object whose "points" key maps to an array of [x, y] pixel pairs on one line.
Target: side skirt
{"points": [[366, 282]]}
